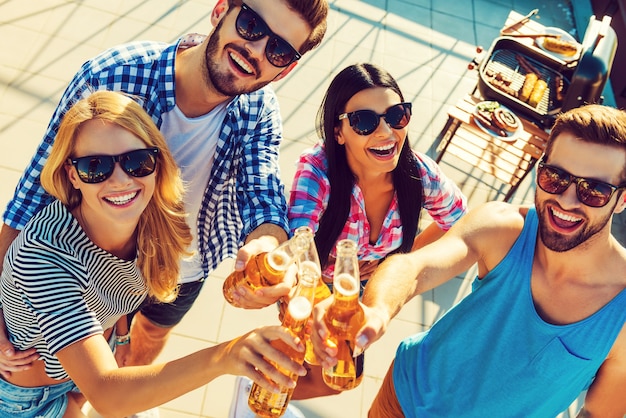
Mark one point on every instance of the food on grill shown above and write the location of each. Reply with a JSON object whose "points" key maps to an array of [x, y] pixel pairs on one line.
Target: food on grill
{"points": [[528, 86], [559, 88], [560, 46], [537, 93], [502, 86], [504, 119], [527, 66], [501, 82]]}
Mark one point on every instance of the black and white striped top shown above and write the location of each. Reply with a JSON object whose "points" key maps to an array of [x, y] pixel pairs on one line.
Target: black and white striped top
{"points": [[58, 287]]}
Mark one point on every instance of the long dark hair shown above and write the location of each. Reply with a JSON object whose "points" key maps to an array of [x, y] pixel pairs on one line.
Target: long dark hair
{"points": [[406, 177]]}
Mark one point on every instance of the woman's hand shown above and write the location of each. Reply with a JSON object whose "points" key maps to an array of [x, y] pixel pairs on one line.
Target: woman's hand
{"points": [[257, 356]]}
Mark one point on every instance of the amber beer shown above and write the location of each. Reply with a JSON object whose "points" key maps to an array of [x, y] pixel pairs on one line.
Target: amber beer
{"points": [[269, 404], [321, 292], [309, 268], [265, 269], [343, 319]]}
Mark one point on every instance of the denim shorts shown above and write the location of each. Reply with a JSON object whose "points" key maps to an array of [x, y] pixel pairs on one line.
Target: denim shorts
{"points": [[37, 402]]}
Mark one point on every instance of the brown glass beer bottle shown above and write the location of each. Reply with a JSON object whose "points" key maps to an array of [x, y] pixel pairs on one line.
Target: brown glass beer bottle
{"points": [[344, 318], [265, 403], [265, 269]]}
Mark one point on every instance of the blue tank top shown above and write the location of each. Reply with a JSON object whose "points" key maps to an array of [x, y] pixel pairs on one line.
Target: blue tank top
{"points": [[492, 355]]}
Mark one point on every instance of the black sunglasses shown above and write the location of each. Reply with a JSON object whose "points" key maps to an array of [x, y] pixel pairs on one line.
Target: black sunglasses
{"points": [[364, 122], [98, 168], [594, 193], [252, 27]]}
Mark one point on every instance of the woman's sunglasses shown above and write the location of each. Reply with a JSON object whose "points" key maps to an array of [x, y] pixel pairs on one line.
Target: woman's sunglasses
{"points": [[591, 192], [252, 27], [98, 168], [365, 122]]}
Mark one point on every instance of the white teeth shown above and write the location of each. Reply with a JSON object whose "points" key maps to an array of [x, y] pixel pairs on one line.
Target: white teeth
{"points": [[384, 147], [122, 200], [565, 217], [241, 63]]}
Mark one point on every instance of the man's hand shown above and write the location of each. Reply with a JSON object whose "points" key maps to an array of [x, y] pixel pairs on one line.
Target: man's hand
{"points": [[263, 239], [265, 296], [11, 360]]}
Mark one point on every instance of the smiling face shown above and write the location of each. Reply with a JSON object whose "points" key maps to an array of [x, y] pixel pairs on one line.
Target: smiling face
{"points": [[235, 65], [120, 199], [378, 152], [566, 223]]}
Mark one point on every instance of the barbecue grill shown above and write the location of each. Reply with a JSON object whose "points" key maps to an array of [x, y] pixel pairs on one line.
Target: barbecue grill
{"points": [[569, 84]]}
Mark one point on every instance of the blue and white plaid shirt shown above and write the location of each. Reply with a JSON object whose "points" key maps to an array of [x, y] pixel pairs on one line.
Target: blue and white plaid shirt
{"points": [[244, 189]]}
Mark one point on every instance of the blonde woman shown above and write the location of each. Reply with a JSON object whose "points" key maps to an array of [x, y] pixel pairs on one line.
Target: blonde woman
{"points": [[114, 235]]}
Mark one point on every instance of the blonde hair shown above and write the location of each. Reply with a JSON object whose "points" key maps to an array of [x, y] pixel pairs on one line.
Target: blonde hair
{"points": [[162, 232]]}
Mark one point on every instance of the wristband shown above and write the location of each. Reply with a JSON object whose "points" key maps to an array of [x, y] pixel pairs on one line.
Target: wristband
{"points": [[122, 339]]}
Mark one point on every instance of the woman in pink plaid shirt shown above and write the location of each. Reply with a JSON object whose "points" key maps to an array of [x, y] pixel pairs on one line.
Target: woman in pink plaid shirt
{"points": [[379, 184]]}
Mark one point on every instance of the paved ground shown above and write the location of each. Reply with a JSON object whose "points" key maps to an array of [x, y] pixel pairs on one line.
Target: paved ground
{"points": [[425, 44]]}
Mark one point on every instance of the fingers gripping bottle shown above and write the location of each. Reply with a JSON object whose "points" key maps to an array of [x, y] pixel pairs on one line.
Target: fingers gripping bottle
{"points": [[265, 269], [263, 402], [343, 319]]}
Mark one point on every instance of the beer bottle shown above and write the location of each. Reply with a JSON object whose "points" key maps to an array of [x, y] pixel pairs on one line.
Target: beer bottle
{"points": [[263, 402], [344, 318], [265, 269], [321, 292], [309, 263]]}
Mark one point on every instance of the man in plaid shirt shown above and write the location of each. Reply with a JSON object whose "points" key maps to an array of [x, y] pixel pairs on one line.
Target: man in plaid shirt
{"points": [[208, 96]]}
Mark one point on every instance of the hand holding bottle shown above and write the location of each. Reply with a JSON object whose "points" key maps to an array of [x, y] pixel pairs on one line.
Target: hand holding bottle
{"points": [[270, 404], [255, 356], [266, 276], [343, 318]]}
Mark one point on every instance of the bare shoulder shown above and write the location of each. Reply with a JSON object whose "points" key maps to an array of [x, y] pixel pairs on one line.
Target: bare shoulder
{"points": [[497, 218], [490, 230]]}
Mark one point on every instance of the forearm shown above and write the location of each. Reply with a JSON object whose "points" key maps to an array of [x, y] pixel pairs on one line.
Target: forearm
{"points": [[391, 285], [107, 387], [154, 385], [431, 234], [7, 236], [402, 276]]}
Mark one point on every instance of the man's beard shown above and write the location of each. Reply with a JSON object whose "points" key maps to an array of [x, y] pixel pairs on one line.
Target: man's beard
{"points": [[560, 243], [223, 82]]}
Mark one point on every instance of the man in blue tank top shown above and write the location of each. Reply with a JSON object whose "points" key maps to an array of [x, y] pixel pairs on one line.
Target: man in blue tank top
{"points": [[545, 320]]}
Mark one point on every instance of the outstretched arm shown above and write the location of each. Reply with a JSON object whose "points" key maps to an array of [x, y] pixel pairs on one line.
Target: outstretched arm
{"points": [[482, 236], [93, 368], [394, 282]]}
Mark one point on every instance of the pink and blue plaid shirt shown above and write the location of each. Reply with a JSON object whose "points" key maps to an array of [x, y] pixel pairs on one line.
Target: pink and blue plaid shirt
{"points": [[310, 192]]}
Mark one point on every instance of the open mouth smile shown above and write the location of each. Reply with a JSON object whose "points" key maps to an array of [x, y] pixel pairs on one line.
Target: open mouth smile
{"points": [[241, 64], [122, 199], [563, 220], [384, 150]]}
